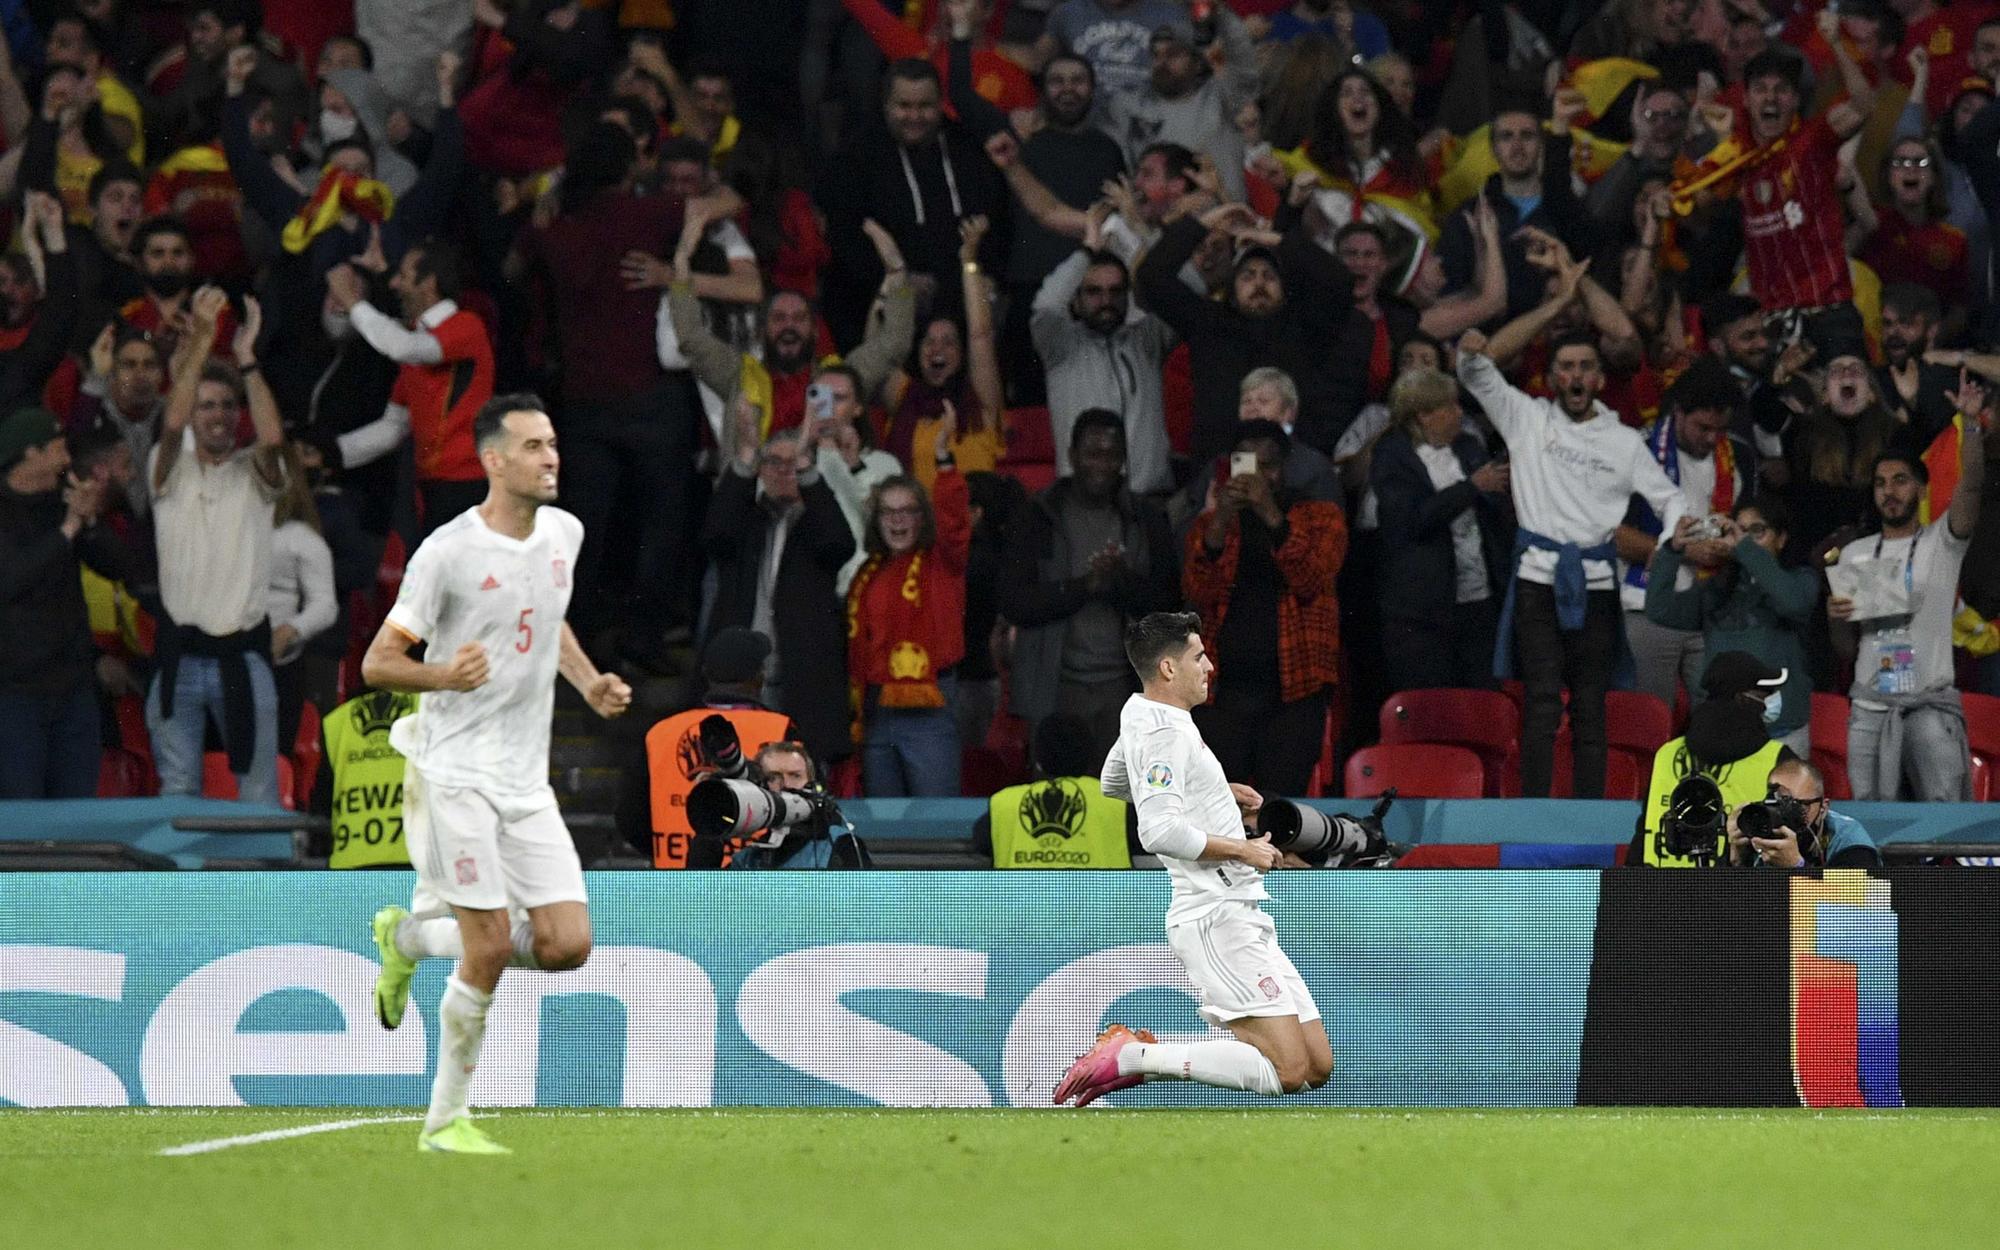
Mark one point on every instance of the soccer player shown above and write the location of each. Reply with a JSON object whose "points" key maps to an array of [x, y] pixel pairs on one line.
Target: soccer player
{"points": [[486, 594], [1192, 817]]}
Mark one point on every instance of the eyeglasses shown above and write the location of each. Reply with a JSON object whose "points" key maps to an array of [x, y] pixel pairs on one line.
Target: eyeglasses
{"points": [[1909, 162]]}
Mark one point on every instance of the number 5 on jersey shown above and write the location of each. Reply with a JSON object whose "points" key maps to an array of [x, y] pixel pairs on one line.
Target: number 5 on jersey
{"points": [[526, 631]]}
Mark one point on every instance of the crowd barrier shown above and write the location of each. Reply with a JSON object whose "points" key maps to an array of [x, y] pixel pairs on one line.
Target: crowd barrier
{"points": [[195, 833], [975, 989]]}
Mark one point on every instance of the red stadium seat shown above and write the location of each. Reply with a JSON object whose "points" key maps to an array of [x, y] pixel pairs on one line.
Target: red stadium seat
{"points": [[1982, 732], [217, 782], [1484, 722], [122, 774], [1637, 722], [1031, 450], [1983, 789], [1417, 771], [1829, 743], [1624, 777]]}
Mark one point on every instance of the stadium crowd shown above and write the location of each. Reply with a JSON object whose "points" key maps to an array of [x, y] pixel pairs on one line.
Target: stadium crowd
{"points": [[1426, 343]]}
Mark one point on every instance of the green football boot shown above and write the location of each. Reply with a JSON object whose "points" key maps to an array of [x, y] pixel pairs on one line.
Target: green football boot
{"points": [[461, 1137], [392, 986]]}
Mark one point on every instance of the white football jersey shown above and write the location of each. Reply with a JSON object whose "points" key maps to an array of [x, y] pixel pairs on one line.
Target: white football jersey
{"points": [[469, 584], [1163, 768]]}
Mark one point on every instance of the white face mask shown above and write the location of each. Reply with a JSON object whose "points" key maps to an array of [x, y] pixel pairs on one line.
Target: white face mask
{"points": [[334, 127], [1774, 706]]}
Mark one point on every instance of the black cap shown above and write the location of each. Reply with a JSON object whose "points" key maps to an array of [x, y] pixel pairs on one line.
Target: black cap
{"points": [[734, 655], [1738, 672]]}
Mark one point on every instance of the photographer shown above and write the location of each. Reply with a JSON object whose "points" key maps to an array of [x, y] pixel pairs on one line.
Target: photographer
{"points": [[1795, 826], [815, 843], [1728, 743]]}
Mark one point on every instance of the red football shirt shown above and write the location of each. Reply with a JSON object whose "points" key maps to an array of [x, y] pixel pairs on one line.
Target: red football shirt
{"points": [[1947, 35], [1930, 255], [443, 398], [1793, 228]]}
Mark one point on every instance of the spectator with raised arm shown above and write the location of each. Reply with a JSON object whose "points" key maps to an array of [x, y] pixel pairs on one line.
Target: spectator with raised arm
{"points": [[957, 368], [38, 305], [212, 522]]}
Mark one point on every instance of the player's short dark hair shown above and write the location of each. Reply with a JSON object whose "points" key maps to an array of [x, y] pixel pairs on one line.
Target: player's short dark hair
{"points": [[1156, 635], [490, 423], [1915, 463], [438, 258], [1706, 386], [115, 171], [1912, 297], [1095, 419], [911, 69], [1576, 338]]}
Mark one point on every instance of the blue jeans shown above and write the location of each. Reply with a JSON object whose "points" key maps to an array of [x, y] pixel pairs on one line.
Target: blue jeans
{"points": [[912, 752], [52, 744], [177, 743]]}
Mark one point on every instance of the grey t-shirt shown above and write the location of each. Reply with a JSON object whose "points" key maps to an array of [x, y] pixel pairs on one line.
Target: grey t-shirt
{"points": [[1921, 647], [1094, 644], [1118, 43]]}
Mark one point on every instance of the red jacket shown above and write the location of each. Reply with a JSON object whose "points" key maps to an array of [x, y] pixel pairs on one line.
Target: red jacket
{"points": [[1308, 617]]}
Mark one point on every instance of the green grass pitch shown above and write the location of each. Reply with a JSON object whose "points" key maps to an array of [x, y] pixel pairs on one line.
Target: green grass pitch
{"points": [[947, 1180]]}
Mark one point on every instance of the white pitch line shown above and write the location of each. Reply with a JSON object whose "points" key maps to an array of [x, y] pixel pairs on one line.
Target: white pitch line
{"points": [[280, 1134]]}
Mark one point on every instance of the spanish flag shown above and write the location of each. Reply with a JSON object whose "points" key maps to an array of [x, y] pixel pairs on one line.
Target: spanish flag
{"points": [[204, 159], [1472, 163], [1402, 200], [1602, 81], [338, 192]]}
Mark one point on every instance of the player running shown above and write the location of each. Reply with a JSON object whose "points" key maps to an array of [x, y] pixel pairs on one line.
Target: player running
{"points": [[486, 594], [1192, 817]]}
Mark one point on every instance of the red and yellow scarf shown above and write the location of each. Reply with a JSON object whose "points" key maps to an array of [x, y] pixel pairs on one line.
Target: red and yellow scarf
{"points": [[339, 192]]}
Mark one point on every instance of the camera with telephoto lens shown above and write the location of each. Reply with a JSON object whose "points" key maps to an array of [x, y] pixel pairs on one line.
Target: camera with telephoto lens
{"points": [[732, 801], [1768, 818], [1326, 840]]}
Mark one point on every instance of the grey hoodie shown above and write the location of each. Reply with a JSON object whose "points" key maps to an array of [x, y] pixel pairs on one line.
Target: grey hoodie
{"points": [[372, 108], [1119, 371]]}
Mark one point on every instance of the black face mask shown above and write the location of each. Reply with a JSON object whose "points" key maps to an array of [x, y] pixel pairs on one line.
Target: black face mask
{"points": [[168, 285]]}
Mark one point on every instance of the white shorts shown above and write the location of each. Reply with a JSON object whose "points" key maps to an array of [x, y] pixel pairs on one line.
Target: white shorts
{"points": [[488, 852], [1231, 954]]}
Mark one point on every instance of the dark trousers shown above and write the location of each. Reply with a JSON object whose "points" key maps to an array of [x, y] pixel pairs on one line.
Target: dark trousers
{"points": [[1261, 740], [642, 449], [1551, 659], [1455, 651], [52, 744], [445, 500]]}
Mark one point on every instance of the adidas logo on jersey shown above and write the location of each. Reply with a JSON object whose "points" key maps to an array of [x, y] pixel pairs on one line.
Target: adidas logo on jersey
{"points": [[490, 583]]}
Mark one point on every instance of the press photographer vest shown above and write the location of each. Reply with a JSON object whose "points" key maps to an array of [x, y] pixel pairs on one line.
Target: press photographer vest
{"points": [[674, 759], [1065, 822], [1742, 781], [367, 780]]}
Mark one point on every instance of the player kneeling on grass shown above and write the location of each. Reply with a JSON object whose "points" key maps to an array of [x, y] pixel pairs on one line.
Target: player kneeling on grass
{"points": [[1193, 819], [486, 593]]}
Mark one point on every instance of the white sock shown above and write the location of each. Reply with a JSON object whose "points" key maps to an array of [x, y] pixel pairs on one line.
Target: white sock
{"points": [[524, 946], [462, 1027], [430, 937], [1224, 1063]]}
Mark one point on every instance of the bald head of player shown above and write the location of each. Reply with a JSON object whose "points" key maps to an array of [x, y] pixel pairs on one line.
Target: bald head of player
{"points": [[517, 445], [1166, 650]]}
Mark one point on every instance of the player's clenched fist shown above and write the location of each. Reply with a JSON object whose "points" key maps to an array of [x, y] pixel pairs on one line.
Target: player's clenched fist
{"points": [[467, 670], [1260, 854], [608, 695]]}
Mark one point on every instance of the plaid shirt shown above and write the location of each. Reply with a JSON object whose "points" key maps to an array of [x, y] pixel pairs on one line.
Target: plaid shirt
{"points": [[1308, 617]]}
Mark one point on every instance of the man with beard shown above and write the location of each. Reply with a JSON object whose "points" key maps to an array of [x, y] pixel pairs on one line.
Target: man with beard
{"points": [[1737, 335], [918, 176], [1061, 170], [1916, 393], [1532, 189], [445, 378], [775, 381], [1907, 719], [1102, 352], [1263, 321], [1084, 559], [1188, 101], [35, 331], [1660, 114], [1575, 470], [166, 274]]}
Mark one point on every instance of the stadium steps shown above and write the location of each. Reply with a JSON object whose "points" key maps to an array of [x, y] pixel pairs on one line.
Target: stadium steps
{"points": [[587, 758]]}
